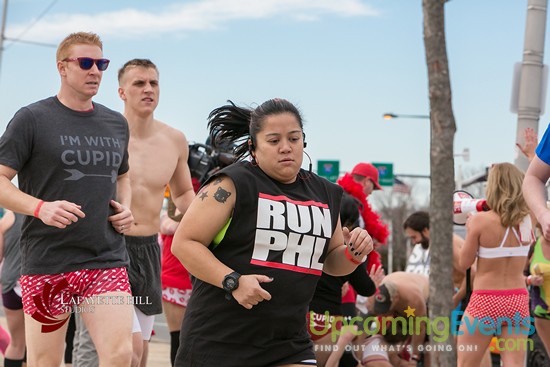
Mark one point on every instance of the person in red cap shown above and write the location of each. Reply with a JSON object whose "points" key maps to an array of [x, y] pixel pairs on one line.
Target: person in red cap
{"points": [[360, 183], [367, 176]]}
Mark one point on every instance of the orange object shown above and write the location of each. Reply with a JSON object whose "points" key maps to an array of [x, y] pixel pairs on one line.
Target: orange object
{"points": [[493, 346]]}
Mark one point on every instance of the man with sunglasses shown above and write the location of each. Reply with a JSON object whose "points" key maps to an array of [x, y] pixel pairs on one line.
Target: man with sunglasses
{"points": [[71, 158]]}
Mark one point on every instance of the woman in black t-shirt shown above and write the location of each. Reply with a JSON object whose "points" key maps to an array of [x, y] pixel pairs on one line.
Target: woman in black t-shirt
{"points": [[256, 238]]}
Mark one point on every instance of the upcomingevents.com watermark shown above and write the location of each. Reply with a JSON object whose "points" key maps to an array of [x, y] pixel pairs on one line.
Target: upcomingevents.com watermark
{"points": [[498, 345], [438, 330], [396, 348]]}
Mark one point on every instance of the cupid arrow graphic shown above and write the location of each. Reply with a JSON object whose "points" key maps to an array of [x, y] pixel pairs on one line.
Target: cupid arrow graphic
{"points": [[77, 175]]}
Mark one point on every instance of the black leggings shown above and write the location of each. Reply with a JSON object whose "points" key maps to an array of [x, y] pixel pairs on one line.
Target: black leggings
{"points": [[69, 340]]}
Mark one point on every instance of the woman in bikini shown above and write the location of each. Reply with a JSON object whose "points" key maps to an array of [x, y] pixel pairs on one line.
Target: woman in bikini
{"points": [[499, 239]]}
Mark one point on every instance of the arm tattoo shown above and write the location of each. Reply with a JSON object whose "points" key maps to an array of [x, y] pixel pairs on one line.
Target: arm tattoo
{"points": [[203, 195], [221, 195], [217, 181]]}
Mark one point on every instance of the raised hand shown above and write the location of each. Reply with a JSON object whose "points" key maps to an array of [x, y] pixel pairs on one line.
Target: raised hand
{"points": [[530, 143]]}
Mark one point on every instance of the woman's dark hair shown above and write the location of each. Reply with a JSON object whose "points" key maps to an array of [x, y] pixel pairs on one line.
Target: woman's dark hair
{"points": [[350, 208], [234, 124]]}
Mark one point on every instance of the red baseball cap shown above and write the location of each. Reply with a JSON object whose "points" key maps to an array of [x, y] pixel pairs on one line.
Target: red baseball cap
{"points": [[369, 171]]}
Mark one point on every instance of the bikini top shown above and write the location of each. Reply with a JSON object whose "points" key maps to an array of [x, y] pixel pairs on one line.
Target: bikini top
{"points": [[501, 251]]}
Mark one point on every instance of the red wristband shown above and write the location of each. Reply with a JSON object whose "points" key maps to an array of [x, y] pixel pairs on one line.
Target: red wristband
{"points": [[37, 210], [350, 257]]}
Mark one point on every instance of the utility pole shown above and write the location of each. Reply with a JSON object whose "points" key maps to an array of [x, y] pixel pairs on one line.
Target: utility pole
{"points": [[2, 31], [531, 83]]}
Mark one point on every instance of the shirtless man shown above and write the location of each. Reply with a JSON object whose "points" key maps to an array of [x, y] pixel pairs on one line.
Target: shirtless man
{"points": [[400, 294], [158, 156]]}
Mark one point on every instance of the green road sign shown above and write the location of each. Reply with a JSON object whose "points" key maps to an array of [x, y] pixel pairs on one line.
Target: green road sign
{"points": [[385, 173], [328, 169]]}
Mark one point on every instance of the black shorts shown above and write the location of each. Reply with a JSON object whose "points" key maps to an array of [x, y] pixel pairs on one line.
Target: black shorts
{"points": [[144, 273], [12, 301]]}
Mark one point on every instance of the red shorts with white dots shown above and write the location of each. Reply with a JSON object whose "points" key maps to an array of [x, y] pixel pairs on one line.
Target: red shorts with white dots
{"points": [[499, 306], [53, 294], [179, 297]]}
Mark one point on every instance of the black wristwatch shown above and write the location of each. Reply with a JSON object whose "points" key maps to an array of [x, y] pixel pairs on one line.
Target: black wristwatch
{"points": [[230, 283]]}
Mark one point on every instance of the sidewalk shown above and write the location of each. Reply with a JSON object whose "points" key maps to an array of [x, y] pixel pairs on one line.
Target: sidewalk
{"points": [[159, 347], [159, 354]]}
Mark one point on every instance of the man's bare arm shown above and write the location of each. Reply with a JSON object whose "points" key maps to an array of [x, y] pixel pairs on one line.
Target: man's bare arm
{"points": [[534, 191], [59, 213], [11, 197], [417, 339], [123, 218], [124, 190], [181, 186]]}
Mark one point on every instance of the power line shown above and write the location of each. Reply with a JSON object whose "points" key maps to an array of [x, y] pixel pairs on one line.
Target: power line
{"points": [[36, 43], [18, 38]]}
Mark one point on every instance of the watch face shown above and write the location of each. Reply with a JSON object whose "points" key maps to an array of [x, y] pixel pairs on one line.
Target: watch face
{"points": [[230, 283]]}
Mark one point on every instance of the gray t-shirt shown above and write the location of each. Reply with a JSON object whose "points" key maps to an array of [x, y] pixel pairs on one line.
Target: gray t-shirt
{"points": [[61, 154], [419, 260]]}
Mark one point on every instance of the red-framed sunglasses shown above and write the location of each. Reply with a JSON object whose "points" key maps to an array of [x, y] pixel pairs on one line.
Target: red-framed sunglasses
{"points": [[86, 63]]}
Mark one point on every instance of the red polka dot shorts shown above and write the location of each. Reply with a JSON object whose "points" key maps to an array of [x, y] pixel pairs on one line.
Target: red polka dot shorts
{"points": [[499, 306], [53, 294], [176, 296]]}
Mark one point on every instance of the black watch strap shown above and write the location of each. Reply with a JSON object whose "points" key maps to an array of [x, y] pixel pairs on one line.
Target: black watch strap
{"points": [[230, 283]]}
